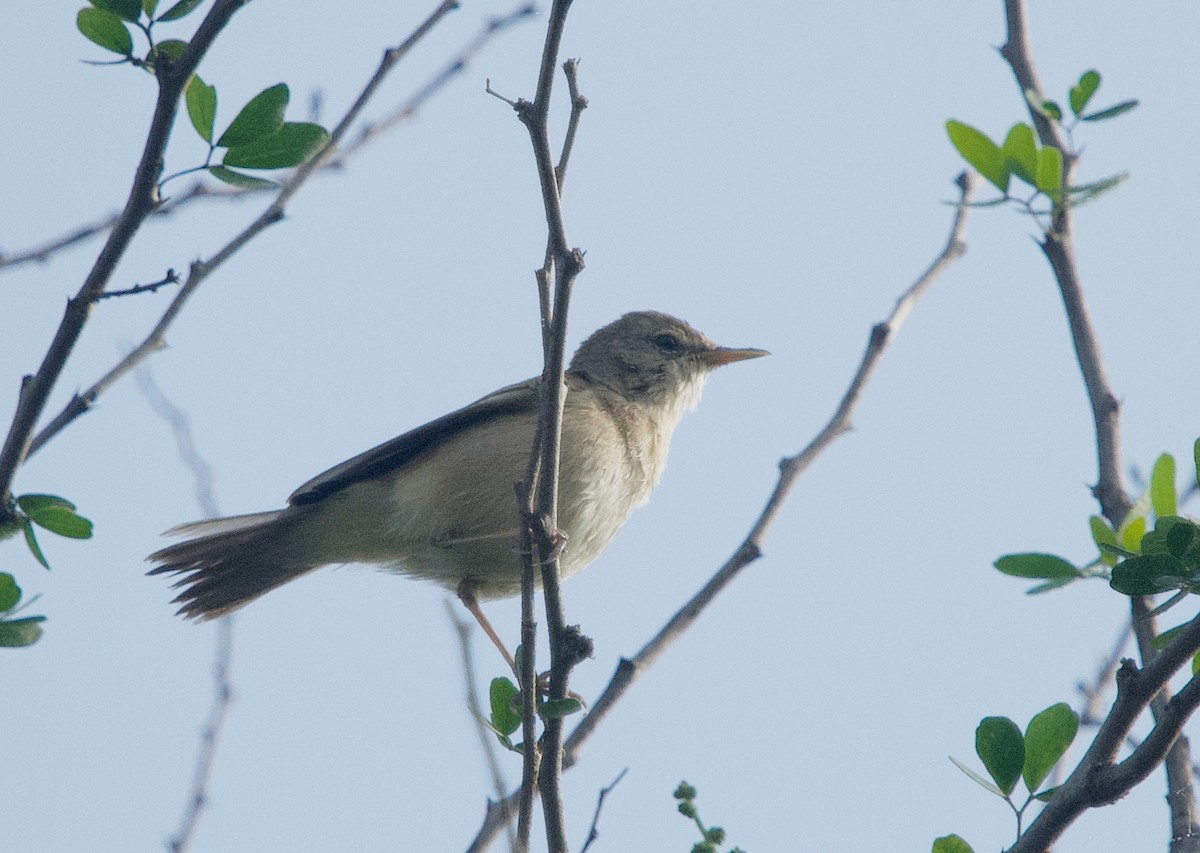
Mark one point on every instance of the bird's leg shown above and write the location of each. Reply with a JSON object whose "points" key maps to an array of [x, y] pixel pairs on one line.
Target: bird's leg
{"points": [[466, 594]]}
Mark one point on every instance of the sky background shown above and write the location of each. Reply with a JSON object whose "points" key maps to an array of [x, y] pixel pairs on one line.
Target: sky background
{"points": [[776, 176]]}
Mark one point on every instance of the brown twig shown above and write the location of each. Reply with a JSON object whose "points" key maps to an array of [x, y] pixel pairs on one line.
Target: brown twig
{"points": [[223, 654], [593, 831], [35, 392], [1058, 245], [199, 271], [487, 744], [629, 669], [171, 277]]}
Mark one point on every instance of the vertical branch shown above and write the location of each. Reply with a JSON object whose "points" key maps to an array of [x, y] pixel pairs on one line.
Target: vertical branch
{"points": [[541, 499], [1058, 245]]}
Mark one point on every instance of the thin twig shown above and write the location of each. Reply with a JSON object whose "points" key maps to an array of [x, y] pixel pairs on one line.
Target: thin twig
{"points": [[628, 670], [593, 831], [199, 271], [487, 743], [223, 654], [171, 277], [35, 392]]}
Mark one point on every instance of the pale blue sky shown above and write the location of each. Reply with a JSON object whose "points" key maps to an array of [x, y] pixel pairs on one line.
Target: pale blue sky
{"points": [[776, 177]]}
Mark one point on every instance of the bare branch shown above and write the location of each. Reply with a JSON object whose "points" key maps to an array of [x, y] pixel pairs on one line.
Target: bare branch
{"points": [[200, 271], [593, 832], [486, 743], [223, 654], [142, 198], [171, 277]]}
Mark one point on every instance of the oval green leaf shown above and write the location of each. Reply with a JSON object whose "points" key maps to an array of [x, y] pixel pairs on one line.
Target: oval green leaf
{"points": [[202, 106], [501, 694], [552, 709], [1001, 747], [237, 179], [183, 7], [34, 547], [1131, 533], [1020, 153], [1042, 106], [1082, 92], [1050, 172], [32, 504], [1111, 112], [1103, 534], [294, 143], [261, 117], [951, 844], [21, 632], [1162, 486], [130, 10], [978, 150], [105, 29], [1145, 574], [10, 593], [1043, 566], [149, 6], [64, 522], [1047, 738], [172, 50]]}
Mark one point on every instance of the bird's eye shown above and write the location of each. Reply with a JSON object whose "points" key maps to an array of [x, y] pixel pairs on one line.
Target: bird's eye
{"points": [[666, 342]]}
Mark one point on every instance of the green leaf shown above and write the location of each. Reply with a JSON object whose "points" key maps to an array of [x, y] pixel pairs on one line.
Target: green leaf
{"points": [[105, 29], [1180, 537], [34, 548], [63, 522], [172, 50], [32, 504], [1196, 459], [261, 117], [1084, 193], [552, 709], [1195, 663], [1162, 486], [148, 6], [1020, 153], [979, 780], [130, 10], [1049, 585], [1111, 112], [1160, 641], [294, 143], [1045, 107], [1146, 574], [56, 515], [1049, 172], [183, 7], [505, 717], [1048, 794], [1044, 566], [10, 593], [237, 179], [21, 632], [1103, 534], [1131, 532], [1001, 747], [1047, 738], [1081, 93], [951, 844], [202, 106], [978, 150]]}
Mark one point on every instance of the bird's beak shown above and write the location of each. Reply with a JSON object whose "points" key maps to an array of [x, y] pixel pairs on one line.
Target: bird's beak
{"points": [[725, 355]]}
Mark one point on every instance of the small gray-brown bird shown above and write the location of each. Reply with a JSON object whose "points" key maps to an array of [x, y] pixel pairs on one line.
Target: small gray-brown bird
{"points": [[438, 502]]}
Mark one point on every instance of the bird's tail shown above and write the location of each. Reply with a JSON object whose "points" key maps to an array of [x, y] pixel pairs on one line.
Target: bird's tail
{"points": [[229, 562]]}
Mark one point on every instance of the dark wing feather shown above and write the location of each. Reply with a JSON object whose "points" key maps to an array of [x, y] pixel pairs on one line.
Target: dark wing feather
{"points": [[514, 399]]}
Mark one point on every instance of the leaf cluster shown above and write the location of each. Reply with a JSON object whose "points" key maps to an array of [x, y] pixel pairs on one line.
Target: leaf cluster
{"points": [[504, 700], [1010, 756], [1135, 559], [1039, 166]]}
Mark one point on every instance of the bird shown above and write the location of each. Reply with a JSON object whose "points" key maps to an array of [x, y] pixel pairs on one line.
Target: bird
{"points": [[438, 502]]}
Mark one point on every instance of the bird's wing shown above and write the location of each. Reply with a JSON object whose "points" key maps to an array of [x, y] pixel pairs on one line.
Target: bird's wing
{"points": [[514, 399]]}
